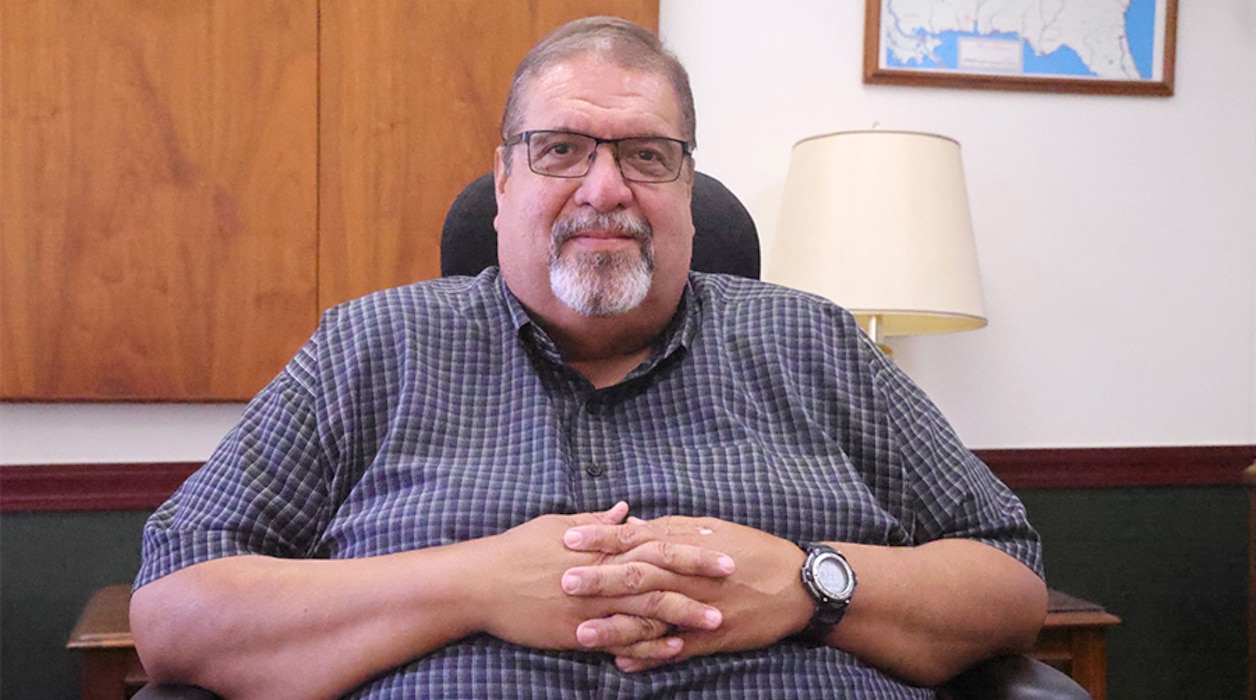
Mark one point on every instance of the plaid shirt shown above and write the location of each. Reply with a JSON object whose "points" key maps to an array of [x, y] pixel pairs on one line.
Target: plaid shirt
{"points": [[439, 412]]}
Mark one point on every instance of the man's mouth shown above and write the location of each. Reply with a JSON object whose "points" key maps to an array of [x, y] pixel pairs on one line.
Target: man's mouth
{"points": [[600, 231], [601, 238]]}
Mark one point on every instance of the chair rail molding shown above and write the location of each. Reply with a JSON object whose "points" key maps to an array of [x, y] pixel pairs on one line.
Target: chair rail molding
{"points": [[120, 487]]}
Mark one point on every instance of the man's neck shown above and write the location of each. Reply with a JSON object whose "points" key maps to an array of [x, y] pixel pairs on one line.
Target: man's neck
{"points": [[604, 349]]}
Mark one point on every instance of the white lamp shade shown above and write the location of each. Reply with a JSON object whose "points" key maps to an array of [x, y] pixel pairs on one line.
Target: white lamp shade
{"points": [[878, 221]]}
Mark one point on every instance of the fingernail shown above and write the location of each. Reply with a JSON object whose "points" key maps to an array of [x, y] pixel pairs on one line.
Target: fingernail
{"points": [[587, 636], [573, 538], [629, 665], [571, 582], [725, 563], [712, 617]]}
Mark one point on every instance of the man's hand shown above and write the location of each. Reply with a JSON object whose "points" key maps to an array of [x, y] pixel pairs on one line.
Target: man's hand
{"points": [[760, 603], [524, 586]]}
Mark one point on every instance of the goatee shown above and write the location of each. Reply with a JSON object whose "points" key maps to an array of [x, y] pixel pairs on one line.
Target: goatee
{"points": [[602, 283]]}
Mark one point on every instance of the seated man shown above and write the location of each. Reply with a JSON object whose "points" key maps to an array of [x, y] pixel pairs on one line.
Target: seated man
{"points": [[590, 472]]}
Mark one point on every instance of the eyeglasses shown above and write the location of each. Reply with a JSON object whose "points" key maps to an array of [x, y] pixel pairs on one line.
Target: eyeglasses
{"points": [[569, 154]]}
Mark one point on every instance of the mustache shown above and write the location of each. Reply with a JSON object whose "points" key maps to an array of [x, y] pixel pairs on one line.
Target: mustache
{"points": [[617, 222]]}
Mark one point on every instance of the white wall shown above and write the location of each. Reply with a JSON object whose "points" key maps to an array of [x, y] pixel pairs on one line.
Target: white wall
{"points": [[115, 433], [1117, 236]]}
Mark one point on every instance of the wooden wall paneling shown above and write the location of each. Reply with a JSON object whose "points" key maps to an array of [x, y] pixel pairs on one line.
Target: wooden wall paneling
{"points": [[411, 96], [158, 174]]}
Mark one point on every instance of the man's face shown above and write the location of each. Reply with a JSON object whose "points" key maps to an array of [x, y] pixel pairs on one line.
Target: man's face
{"points": [[597, 245]]}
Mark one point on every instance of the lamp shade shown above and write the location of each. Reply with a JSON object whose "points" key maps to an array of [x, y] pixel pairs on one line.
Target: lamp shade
{"points": [[878, 221]]}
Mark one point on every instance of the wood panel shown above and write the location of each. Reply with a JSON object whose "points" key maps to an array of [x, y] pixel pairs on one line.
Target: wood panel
{"points": [[158, 174], [411, 99]]}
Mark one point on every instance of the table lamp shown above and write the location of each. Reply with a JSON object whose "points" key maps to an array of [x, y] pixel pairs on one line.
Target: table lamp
{"points": [[878, 222]]}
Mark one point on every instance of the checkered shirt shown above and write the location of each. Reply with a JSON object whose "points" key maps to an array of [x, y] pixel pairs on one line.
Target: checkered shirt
{"points": [[439, 412]]}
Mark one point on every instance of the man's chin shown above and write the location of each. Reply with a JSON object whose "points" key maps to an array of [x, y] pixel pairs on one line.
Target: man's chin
{"points": [[597, 304], [598, 289]]}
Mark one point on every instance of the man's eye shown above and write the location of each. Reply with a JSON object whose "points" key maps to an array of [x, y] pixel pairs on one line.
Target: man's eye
{"points": [[559, 149]]}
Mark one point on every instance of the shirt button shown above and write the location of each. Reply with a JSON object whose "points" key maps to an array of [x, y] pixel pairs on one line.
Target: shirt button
{"points": [[594, 469]]}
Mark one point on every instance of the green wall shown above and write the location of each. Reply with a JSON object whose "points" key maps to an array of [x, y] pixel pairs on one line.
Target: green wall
{"points": [[50, 563], [1171, 562]]}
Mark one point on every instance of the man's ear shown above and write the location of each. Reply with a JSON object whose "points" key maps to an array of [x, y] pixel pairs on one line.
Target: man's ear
{"points": [[499, 182], [500, 173]]}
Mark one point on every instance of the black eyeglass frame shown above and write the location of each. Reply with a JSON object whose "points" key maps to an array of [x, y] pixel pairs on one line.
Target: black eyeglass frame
{"points": [[525, 137]]}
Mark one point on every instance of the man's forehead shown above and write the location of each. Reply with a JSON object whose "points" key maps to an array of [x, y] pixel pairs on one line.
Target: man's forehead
{"points": [[584, 88]]}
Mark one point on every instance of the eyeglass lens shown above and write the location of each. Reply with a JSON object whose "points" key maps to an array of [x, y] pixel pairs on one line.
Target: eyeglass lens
{"points": [[641, 159]]}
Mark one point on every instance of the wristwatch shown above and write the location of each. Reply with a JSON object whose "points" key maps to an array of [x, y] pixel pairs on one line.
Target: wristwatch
{"points": [[828, 578]]}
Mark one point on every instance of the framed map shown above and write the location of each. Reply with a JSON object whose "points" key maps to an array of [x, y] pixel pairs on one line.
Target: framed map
{"points": [[1090, 46]]}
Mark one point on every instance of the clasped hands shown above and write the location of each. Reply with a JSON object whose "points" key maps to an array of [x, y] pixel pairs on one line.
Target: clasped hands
{"points": [[647, 592]]}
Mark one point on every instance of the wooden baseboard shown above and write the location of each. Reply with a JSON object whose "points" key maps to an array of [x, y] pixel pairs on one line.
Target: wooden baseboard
{"points": [[96, 487]]}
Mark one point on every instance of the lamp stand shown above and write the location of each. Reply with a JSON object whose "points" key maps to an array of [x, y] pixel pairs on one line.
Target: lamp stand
{"points": [[874, 332]]}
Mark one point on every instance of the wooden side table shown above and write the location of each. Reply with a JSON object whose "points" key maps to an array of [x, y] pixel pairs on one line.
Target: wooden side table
{"points": [[111, 668], [1074, 640]]}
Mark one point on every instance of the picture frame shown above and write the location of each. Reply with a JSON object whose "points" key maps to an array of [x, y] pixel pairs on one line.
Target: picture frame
{"points": [[944, 43]]}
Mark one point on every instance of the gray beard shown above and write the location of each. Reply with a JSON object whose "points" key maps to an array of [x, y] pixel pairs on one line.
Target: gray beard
{"points": [[602, 283]]}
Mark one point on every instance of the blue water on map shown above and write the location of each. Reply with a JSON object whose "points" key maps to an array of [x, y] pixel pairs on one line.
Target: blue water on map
{"points": [[1062, 61], [1140, 29]]}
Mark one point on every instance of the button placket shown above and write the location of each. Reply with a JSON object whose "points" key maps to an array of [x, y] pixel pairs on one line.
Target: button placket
{"points": [[592, 416]]}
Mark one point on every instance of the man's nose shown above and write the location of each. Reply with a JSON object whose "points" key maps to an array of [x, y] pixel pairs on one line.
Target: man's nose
{"points": [[604, 187]]}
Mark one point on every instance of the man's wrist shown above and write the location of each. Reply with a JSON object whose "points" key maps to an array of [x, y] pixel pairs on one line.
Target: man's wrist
{"points": [[468, 586], [802, 607]]}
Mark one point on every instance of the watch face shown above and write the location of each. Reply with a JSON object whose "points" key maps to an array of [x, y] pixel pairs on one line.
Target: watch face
{"points": [[832, 577]]}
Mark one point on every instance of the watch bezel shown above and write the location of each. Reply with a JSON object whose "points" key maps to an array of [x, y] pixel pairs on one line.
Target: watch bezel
{"points": [[830, 605]]}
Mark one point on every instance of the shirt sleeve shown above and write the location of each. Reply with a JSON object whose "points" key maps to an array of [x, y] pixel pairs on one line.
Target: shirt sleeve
{"points": [[951, 493], [263, 491]]}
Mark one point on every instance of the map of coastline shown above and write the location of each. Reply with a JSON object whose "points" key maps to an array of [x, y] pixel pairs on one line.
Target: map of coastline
{"points": [[1089, 39]]}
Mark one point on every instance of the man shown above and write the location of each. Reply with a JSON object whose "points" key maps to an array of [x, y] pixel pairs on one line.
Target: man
{"points": [[589, 473]]}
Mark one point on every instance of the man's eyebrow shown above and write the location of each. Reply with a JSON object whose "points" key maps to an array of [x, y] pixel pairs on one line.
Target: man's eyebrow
{"points": [[649, 134]]}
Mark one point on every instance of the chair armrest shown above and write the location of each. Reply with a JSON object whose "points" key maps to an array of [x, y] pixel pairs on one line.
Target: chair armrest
{"points": [[153, 691], [1012, 678]]}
